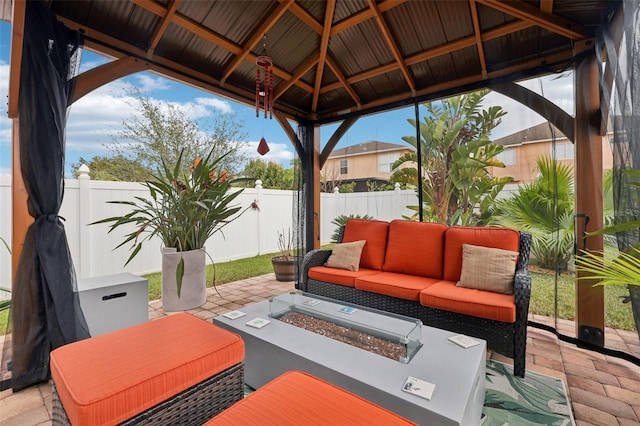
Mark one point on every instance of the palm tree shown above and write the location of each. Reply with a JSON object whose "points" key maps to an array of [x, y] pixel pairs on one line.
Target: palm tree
{"points": [[545, 208], [456, 152]]}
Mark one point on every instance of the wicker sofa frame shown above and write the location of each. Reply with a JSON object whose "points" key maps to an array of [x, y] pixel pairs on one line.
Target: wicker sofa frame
{"points": [[193, 406], [509, 339]]}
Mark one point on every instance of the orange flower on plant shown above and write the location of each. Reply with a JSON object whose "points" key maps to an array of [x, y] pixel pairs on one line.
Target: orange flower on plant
{"points": [[195, 164]]}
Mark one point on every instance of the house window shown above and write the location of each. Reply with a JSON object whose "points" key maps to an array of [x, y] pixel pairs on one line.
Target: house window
{"points": [[508, 157], [564, 151], [344, 167], [385, 162]]}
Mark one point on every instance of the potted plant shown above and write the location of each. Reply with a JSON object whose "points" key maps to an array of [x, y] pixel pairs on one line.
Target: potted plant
{"points": [[284, 265], [183, 210]]}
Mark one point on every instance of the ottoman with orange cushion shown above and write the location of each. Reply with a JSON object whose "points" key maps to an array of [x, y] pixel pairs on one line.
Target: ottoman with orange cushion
{"points": [[297, 398], [174, 370]]}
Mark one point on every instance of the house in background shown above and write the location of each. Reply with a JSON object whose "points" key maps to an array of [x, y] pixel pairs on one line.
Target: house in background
{"points": [[522, 149], [364, 164]]}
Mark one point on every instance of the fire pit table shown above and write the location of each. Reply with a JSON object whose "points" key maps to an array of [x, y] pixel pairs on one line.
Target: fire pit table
{"points": [[274, 347]]}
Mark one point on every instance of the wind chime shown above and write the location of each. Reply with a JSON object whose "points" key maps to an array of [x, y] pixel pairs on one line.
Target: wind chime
{"points": [[264, 89]]}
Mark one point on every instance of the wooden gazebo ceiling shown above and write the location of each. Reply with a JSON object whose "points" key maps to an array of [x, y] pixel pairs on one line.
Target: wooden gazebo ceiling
{"points": [[333, 58]]}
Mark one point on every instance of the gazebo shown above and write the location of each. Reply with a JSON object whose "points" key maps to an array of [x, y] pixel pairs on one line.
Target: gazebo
{"points": [[330, 62]]}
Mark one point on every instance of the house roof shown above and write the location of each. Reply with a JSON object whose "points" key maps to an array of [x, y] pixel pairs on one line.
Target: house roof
{"points": [[541, 132], [368, 148], [337, 58]]}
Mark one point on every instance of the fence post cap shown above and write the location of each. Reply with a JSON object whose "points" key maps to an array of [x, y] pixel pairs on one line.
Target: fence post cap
{"points": [[83, 172]]}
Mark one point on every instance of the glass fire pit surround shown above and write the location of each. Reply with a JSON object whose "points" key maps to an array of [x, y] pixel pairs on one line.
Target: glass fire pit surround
{"points": [[385, 325]]}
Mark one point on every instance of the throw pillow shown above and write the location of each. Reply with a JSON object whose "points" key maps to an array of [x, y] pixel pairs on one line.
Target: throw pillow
{"points": [[487, 268], [346, 256]]}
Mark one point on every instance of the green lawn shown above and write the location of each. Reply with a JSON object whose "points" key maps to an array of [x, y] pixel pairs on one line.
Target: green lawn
{"points": [[617, 314]]}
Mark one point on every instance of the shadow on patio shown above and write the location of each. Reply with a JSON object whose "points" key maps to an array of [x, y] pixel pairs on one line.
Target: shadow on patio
{"points": [[603, 390]]}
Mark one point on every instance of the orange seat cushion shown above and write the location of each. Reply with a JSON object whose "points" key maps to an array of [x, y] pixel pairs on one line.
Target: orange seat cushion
{"points": [[375, 233], [297, 398], [395, 285], [447, 296], [455, 237], [115, 376], [415, 248], [338, 276]]}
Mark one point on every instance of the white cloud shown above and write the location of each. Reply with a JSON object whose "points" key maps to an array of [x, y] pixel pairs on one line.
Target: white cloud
{"points": [[219, 104], [5, 172], [93, 118], [148, 83]]}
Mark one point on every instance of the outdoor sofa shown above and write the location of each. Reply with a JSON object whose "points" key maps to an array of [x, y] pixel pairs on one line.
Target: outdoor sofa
{"points": [[417, 269]]}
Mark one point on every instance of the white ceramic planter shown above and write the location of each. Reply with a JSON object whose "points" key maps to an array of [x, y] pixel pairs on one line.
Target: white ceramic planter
{"points": [[194, 291]]}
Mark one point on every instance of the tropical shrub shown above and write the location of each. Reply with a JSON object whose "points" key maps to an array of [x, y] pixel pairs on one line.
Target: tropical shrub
{"points": [[457, 188], [545, 208]]}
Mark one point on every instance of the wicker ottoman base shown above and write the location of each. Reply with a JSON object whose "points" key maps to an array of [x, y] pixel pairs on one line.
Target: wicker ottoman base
{"points": [[193, 406]]}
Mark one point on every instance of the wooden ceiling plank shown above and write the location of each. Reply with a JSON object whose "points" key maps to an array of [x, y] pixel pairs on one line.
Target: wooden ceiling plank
{"points": [[334, 67], [526, 12], [208, 35], [364, 15], [306, 18], [506, 29], [256, 37], [189, 25], [15, 58], [546, 6], [97, 41], [164, 23], [297, 75], [477, 33], [324, 46], [555, 61], [362, 76], [393, 46], [462, 43]]}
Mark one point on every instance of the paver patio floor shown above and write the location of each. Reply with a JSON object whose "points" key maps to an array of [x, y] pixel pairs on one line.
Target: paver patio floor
{"points": [[603, 390]]}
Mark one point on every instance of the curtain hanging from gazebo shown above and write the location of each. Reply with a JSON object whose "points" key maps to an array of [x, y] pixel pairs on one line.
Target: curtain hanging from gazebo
{"points": [[45, 310], [623, 57]]}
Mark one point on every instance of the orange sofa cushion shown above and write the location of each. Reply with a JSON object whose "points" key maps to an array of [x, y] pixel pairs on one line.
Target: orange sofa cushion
{"points": [[375, 232], [395, 285], [455, 237], [107, 379], [415, 248], [447, 296], [338, 276], [297, 398]]}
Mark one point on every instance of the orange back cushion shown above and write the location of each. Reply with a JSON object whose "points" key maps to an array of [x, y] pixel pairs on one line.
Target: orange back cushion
{"points": [[375, 233], [415, 248], [500, 238]]}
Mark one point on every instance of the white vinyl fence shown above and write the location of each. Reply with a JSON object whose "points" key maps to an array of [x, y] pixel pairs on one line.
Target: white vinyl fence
{"points": [[254, 233]]}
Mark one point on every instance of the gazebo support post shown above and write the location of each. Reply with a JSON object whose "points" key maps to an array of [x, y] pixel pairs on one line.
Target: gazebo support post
{"points": [[309, 134], [588, 193]]}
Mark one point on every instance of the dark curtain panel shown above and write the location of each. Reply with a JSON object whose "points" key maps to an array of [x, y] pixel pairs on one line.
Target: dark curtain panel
{"points": [[623, 66], [301, 194], [623, 56], [46, 311]]}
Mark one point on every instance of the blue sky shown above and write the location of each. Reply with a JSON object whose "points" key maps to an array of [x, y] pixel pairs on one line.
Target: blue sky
{"points": [[94, 118]]}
